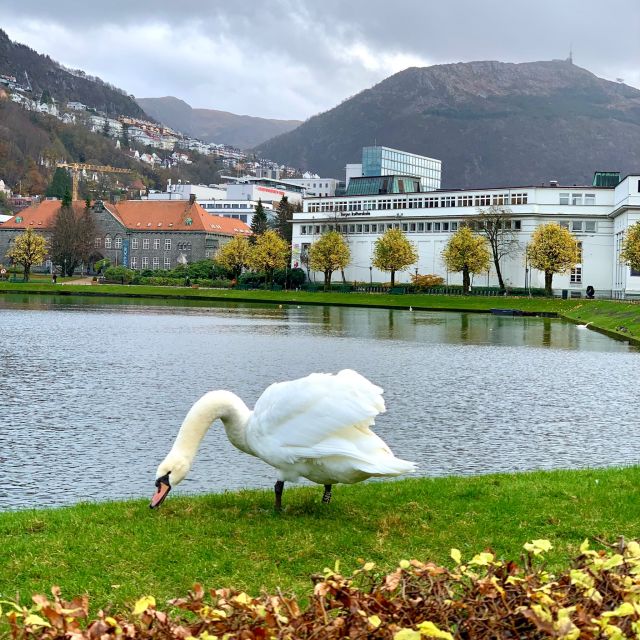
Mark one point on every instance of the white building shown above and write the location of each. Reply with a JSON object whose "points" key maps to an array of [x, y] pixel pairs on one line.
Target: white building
{"points": [[265, 189], [597, 216], [316, 186], [238, 209], [180, 191]]}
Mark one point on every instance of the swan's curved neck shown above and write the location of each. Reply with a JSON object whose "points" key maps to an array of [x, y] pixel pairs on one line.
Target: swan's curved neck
{"points": [[225, 405]]}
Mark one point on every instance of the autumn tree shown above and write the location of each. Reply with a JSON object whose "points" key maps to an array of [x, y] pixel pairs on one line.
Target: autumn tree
{"points": [[28, 248], [630, 253], [270, 252], [234, 255], [553, 249], [72, 238], [393, 252], [329, 253], [259, 222], [496, 224], [466, 252]]}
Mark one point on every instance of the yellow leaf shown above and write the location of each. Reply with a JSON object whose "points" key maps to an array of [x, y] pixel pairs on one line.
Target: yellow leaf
{"points": [[633, 549], [242, 598], [143, 604], [625, 609], [374, 621], [538, 546], [34, 620], [404, 564], [430, 630], [369, 566], [483, 559], [406, 634], [614, 561], [456, 555]]}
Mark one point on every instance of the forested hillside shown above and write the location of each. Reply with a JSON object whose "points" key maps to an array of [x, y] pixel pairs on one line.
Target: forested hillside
{"points": [[42, 73]]}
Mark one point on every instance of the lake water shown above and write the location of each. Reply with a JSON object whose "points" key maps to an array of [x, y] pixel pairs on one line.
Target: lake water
{"points": [[93, 392]]}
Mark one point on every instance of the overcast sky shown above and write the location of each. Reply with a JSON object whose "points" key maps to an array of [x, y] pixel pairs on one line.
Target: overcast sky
{"points": [[295, 58]]}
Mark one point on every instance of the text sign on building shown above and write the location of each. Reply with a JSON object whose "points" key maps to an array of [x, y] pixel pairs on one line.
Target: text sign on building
{"points": [[125, 253]]}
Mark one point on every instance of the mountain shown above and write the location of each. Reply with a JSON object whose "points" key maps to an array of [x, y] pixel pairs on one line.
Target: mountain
{"points": [[210, 125], [491, 124], [44, 74]]}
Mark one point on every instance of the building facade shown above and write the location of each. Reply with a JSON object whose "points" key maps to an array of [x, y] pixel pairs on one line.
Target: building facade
{"points": [[597, 216], [136, 233], [384, 161]]}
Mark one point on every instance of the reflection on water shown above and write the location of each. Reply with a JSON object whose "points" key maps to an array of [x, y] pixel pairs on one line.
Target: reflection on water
{"points": [[92, 392]]}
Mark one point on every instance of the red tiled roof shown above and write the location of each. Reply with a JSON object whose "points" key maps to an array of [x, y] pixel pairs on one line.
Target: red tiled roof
{"points": [[173, 215], [39, 216], [137, 215]]}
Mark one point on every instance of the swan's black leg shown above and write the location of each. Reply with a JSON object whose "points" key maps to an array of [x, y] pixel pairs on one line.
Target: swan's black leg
{"points": [[279, 488], [326, 498]]}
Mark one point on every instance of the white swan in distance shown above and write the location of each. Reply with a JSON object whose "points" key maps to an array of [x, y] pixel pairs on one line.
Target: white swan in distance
{"points": [[316, 427]]}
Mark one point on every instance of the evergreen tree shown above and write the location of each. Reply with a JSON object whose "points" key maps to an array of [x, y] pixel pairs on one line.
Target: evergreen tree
{"points": [[259, 223], [125, 136], [60, 184], [284, 224], [66, 199]]}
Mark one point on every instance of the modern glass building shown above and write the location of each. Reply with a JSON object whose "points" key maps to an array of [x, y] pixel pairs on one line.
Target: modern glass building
{"points": [[383, 161]]}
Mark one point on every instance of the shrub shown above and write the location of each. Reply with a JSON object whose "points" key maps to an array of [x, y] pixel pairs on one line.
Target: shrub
{"points": [[482, 598], [119, 273], [252, 278], [421, 282]]}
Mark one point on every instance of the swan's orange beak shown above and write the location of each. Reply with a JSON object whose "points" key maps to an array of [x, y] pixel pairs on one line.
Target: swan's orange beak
{"points": [[162, 489]]}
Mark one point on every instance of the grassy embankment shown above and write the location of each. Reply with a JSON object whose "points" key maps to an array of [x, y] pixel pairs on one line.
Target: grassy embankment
{"points": [[117, 552], [619, 319]]}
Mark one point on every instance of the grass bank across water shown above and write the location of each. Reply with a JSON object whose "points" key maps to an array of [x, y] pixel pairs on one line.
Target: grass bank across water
{"points": [[116, 552], [619, 319]]}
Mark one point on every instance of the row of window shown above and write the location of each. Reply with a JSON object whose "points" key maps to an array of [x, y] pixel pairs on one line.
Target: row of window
{"points": [[155, 262], [135, 243], [420, 202], [577, 198], [117, 242], [436, 226], [587, 226]]}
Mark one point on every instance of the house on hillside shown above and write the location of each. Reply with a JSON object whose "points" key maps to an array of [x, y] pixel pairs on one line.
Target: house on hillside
{"points": [[139, 234]]}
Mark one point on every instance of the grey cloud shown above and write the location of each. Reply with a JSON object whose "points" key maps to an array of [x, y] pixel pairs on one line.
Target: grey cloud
{"points": [[293, 58]]}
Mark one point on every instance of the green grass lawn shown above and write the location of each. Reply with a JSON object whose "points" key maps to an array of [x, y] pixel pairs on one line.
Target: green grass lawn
{"points": [[116, 552]]}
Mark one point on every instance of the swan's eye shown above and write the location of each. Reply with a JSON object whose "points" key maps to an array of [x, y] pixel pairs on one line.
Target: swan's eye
{"points": [[163, 480]]}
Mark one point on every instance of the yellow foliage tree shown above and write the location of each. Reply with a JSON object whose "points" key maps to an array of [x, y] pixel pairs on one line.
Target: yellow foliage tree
{"points": [[270, 252], [329, 253], [466, 252], [394, 252], [553, 249], [234, 255], [630, 253], [28, 248]]}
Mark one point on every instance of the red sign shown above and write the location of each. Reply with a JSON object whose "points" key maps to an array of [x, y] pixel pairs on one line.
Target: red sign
{"points": [[268, 190]]}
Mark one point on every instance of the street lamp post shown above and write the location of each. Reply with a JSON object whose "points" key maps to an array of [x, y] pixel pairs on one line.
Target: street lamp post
{"points": [[370, 275]]}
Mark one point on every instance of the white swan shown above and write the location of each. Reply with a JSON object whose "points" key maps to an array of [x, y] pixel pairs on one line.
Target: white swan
{"points": [[316, 427]]}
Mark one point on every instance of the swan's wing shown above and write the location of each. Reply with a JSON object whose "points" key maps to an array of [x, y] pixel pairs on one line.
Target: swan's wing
{"points": [[302, 416]]}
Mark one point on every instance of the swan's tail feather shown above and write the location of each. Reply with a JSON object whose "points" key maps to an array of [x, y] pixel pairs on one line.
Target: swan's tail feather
{"points": [[391, 467]]}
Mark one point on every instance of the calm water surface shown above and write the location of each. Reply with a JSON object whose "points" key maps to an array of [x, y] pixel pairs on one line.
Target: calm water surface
{"points": [[92, 394]]}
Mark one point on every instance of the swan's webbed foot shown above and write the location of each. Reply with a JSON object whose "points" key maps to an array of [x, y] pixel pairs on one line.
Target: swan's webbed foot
{"points": [[279, 488], [326, 498]]}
